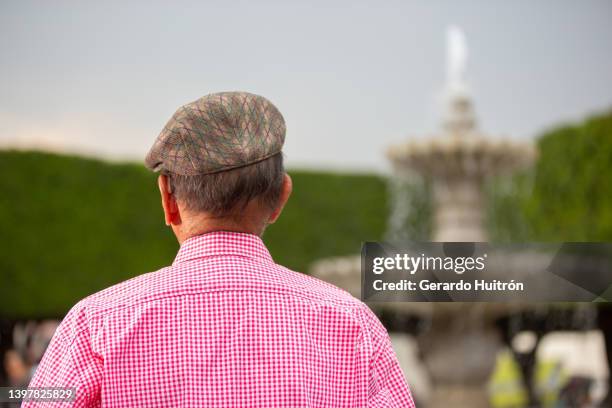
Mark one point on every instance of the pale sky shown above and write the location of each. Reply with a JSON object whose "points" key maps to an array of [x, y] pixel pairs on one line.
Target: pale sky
{"points": [[350, 77]]}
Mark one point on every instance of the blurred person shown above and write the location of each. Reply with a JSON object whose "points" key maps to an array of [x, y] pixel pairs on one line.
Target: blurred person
{"points": [[39, 340], [223, 325], [17, 370], [30, 340]]}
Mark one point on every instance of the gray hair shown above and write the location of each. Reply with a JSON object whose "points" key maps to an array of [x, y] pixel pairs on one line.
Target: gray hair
{"points": [[228, 192]]}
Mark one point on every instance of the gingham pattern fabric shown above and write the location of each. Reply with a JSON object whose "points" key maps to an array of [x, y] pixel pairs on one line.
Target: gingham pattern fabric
{"points": [[218, 132], [224, 326]]}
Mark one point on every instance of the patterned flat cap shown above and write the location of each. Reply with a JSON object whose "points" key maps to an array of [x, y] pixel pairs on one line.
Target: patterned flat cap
{"points": [[218, 132]]}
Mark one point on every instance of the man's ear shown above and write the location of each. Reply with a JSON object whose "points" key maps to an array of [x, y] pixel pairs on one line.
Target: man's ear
{"points": [[171, 211], [284, 196]]}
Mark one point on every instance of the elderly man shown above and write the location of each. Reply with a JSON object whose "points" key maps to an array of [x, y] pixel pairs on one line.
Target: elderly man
{"points": [[223, 326]]}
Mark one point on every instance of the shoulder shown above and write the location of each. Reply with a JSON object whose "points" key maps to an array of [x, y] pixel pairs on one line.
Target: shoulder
{"points": [[328, 295], [128, 292], [83, 317]]}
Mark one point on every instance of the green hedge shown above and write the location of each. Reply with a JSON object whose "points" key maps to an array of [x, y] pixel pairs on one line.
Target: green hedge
{"points": [[71, 226], [572, 190], [567, 196]]}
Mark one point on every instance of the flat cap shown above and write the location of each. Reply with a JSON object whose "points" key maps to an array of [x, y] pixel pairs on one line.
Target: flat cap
{"points": [[218, 132]]}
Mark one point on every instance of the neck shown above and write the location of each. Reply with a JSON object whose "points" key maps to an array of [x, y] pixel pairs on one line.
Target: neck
{"points": [[204, 224]]}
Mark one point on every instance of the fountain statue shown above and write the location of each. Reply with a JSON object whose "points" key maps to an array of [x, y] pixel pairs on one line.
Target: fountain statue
{"points": [[456, 59], [460, 346]]}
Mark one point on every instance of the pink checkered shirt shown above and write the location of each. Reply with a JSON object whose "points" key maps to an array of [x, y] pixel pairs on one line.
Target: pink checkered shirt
{"points": [[224, 326]]}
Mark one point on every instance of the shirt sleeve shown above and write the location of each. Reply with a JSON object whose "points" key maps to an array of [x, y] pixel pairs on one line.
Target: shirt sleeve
{"points": [[70, 362], [387, 384]]}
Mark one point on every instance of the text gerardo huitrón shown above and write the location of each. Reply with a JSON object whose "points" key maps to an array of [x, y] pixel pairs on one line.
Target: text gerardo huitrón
{"points": [[405, 263]]}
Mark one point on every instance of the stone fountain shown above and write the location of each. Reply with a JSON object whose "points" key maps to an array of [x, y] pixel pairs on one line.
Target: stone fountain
{"points": [[460, 159], [460, 346]]}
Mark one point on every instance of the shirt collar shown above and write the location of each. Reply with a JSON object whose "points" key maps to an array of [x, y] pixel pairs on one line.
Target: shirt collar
{"points": [[222, 243]]}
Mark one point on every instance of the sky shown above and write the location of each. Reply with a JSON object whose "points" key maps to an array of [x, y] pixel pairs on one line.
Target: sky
{"points": [[350, 77]]}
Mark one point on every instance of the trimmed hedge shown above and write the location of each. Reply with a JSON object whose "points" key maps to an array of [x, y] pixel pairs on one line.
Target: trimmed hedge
{"points": [[71, 226], [567, 196]]}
